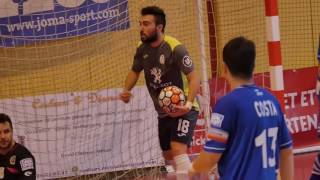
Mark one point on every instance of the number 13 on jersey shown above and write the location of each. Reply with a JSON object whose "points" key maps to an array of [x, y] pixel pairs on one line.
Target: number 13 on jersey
{"points": [[268, 160]]}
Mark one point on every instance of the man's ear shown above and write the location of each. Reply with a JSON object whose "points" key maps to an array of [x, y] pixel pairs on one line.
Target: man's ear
{"points": [[160, 27], [225, 70]]}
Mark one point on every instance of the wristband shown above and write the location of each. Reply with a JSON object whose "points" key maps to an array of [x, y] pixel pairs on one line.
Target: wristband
{"points": [[189, 105]]}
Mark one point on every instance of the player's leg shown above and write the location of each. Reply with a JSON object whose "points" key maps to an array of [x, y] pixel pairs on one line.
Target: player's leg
{"points": [[316, 168], [164, 131], [182, 132]]}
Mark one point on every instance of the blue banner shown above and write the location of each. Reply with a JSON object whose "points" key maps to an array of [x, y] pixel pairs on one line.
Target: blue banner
{"points": [[26, 21]]}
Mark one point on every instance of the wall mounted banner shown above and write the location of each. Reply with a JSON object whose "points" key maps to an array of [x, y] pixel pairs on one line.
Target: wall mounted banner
{"points": [[89, 132], [25, 21], [301, 105]]}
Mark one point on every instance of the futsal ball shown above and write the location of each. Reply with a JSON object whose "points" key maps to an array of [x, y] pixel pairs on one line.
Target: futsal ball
{"points": [[171, 95]]}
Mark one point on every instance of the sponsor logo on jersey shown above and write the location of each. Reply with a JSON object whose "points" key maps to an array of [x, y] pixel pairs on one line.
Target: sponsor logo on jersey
{"points": [[156, 72], [26, 164], [187, 61], [162, 59], [13, 160], [216, 120], [258, 93]]}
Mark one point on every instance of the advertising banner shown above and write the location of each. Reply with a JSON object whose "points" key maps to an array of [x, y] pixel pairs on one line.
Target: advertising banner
{"points": [[86, 132], [301, 106], [25, 21]]}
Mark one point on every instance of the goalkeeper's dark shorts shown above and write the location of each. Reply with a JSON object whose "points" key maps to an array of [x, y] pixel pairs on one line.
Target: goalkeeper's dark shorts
{"points": [[178, 129]]}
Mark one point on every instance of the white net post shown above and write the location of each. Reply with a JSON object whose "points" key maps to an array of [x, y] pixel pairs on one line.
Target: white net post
{"points": [[205, 92]]}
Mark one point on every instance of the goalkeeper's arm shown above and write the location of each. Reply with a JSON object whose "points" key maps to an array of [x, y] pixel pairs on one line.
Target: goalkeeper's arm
{"points": [[130, 82]]}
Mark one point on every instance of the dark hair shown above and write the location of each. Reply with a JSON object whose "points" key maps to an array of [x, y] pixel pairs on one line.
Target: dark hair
{"points": [[157, 12], [5, 118], [239, 55]]}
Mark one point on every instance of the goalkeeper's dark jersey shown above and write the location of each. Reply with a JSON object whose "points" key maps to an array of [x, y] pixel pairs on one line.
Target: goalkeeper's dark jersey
{"points": [[163, 66], [17, 164]]}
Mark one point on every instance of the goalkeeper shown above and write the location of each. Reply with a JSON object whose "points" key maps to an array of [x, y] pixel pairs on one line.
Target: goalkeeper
{"points": [[165, 62]]}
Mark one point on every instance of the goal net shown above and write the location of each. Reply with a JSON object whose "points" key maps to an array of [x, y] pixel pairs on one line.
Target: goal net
{"points": [[63, 64]]}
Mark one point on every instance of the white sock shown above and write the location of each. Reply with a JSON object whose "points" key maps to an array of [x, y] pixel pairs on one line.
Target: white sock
{"points": [[182, 166], [170, 166]]}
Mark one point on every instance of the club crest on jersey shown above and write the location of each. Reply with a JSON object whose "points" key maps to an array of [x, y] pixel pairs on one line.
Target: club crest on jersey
{"points": [[187, 61], [162, 59], [216, 120], [13, 160], [156, 72], [145, 56]]}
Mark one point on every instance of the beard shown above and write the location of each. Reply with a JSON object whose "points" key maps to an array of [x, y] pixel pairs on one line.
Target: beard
{"points": [[4, 145], [149, 39]]}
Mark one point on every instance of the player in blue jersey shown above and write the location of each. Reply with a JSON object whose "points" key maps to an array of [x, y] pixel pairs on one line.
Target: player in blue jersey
{"points": [[316, 165], [248, 136], [165, 62]]}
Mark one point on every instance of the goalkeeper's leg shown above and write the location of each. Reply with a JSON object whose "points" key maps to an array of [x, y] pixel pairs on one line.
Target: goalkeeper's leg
{"points": [[170, 165], [181, 159], [181, 137]]}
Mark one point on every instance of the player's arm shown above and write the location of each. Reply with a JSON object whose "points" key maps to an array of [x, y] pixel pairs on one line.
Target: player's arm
{"points": [[286, 164], [185, 64], [194, 85], [130, 82], [132, 77], [205, 162], [217, 138]]}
